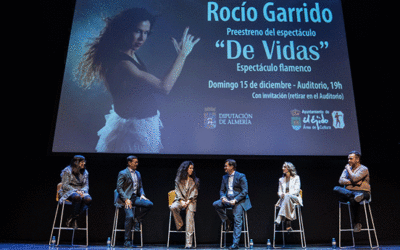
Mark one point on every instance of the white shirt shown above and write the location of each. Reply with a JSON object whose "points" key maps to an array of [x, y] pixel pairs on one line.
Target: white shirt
{"points": [[135, 180], [230, 183]]}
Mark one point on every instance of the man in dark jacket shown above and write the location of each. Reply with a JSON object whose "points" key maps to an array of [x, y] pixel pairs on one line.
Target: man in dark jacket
{"points": [[234, 194], [130, 193]]}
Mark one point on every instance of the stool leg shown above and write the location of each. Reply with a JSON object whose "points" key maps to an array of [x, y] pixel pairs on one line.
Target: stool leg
{"points": [[195, 240], [366, 220], [301, 232], [283, 234], [304, 231], [169, 227], [223, 234], [73, 235], [368, 228], [141, 234], [133, 229], [302, 236], [222, 230], [61, 219], [115, 225], [87, 227], [244, 230], [373, 225], [225, 230], [340, 225], [273, 242], [247, 229], [54, 223], [351, 225]]}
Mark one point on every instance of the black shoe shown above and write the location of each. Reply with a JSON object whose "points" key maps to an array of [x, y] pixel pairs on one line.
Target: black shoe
{"points": [[72, 222], [357, 228], [234, 246], [128, 243], [229, 225]]}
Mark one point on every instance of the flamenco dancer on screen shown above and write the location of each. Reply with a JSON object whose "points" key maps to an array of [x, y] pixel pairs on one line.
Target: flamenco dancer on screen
{"points": [[133, 124]]}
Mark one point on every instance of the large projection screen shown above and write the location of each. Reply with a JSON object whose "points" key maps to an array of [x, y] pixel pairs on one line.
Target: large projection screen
{"points": [[265, 78]]}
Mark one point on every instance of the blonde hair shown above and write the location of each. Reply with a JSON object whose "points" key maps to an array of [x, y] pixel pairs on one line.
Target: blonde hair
{"points": [[290, 167]]}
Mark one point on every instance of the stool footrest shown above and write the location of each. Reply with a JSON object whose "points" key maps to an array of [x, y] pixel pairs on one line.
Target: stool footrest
{"points": [[291, 231], [68, 228], [231, 232]]}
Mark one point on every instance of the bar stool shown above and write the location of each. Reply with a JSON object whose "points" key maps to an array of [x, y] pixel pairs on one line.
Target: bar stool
{"points": [[364, 203], [171, 198], [59, 228], [115, 224], [245, 230], [300, 230]]}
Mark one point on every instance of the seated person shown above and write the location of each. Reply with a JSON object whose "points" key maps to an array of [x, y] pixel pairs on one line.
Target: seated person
{"points": [[75, 188], [289, 195], [186, 189], [355, 179]]}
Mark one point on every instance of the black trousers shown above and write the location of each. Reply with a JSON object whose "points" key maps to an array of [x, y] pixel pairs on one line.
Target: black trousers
{"points": [[142, 208], [348, 196], [79, 204]]}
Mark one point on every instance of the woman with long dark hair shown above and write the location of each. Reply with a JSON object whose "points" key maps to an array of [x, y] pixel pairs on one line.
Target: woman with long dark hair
{"points": [[186, 189], [75, 188], [133, 124]]}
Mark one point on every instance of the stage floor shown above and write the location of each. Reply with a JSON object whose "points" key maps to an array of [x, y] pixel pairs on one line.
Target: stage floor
{"points": [[20, 246]]}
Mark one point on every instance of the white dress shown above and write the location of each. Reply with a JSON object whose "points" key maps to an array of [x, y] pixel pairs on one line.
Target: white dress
{"points": [[131, 135]]}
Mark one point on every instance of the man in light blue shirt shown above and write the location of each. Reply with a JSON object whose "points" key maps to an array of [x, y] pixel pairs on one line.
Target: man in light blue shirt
{"points": [[233, 194], [131, 193]]}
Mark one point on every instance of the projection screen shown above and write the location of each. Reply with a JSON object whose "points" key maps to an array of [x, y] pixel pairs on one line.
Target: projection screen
{"points": [[265, 78]]}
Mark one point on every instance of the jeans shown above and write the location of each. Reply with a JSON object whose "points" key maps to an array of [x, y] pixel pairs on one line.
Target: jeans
{"points": [[237, 215], [348, 196]]}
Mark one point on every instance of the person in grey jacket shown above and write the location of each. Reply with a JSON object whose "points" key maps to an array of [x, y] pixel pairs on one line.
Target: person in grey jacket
{"points": [[131, 193], [75, 188]]}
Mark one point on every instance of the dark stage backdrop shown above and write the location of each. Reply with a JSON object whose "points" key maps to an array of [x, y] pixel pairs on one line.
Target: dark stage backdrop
{"points": [[31, 219], [31, 173]]}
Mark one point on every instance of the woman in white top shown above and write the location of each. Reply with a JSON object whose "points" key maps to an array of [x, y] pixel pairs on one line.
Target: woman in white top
{"points": [[289, 195]]}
